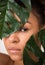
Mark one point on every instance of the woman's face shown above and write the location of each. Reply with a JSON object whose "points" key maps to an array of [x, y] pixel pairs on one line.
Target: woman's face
{"points": [[15, 43]]}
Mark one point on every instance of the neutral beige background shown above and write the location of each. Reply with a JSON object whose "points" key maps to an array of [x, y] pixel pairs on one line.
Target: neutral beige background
{"points": [[2, 47]]}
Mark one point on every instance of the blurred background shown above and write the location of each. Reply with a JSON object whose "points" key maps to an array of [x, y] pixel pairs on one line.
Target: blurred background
{"points": [[2, 47]]}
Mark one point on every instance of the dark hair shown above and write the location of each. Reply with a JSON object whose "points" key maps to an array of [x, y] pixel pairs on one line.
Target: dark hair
{"points": [[38, 7]]}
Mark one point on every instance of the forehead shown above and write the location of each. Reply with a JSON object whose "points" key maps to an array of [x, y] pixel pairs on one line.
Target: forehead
{"points": [[33, 18]]}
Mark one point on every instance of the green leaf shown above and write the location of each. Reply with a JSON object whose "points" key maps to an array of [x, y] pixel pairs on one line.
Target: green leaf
{"points": [[8, 22], [3, 6], [41, 36], [32, 47]]}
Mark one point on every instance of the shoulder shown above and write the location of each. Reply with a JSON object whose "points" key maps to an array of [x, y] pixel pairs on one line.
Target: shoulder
{"points": [[5, 60]]}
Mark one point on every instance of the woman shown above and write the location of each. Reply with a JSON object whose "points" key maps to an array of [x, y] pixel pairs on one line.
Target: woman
{"points": [[15, 43]]}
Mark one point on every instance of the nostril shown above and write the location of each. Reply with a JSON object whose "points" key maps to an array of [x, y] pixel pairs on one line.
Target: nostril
{"points": [[16, 40]]}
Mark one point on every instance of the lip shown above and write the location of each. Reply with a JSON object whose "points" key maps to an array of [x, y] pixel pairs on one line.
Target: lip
{"points": [[14, 50]]}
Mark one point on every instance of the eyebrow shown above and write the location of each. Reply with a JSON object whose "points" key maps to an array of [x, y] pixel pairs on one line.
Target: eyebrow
{"points": [[29, 22]]}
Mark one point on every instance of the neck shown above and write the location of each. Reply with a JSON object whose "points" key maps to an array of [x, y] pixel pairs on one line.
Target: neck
{"points": [[19, 62]]}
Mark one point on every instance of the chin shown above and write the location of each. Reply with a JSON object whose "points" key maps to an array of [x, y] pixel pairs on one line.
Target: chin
{"points": [[16, 58]]}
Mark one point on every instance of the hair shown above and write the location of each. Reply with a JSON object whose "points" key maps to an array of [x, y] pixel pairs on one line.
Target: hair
{"points": [[38, 8]]}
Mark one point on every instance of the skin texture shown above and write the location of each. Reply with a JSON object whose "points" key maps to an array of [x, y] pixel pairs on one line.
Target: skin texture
{"points": [[19, 39]]}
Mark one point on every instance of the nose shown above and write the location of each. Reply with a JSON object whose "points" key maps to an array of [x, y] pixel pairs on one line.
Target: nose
{"points": [[13, 38]]}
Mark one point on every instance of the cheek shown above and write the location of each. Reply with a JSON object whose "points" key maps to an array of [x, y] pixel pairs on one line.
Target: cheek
{"points": [[35, 28], [24, 38], [6, 42], [35, 23]]}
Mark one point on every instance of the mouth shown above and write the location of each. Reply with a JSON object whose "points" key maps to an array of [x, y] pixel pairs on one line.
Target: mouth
{"points": [[14, 50]]}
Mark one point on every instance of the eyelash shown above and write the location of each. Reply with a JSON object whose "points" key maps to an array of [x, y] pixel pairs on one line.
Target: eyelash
{"points": [[23, 29]]}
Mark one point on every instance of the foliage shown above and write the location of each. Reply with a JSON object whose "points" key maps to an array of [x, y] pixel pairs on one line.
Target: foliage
{"points": [[9, 10], [32, 50]]}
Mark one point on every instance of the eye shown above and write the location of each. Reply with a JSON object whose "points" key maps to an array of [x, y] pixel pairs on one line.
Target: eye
{"points": [[24, 29]]}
